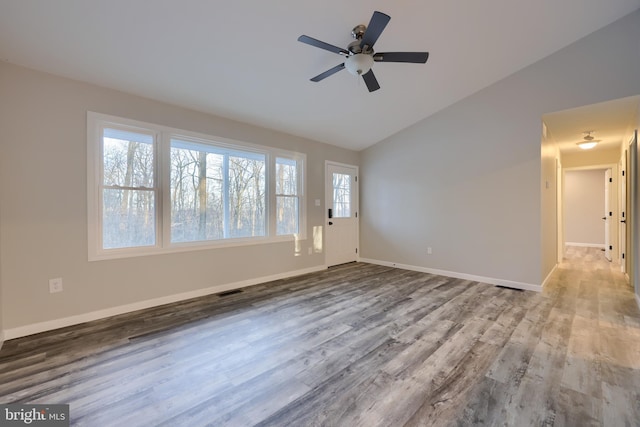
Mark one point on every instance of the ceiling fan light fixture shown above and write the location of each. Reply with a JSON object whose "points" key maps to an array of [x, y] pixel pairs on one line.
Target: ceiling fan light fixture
{"points": [[588, 142], [359, 64], [587, 145]]}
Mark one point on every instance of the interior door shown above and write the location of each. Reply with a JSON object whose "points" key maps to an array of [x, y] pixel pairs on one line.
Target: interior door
{"points": [[341, 216], [607, 213]]}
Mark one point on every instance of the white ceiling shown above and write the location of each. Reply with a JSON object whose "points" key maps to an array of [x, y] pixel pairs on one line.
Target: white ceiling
{"points": [[240, 59], [611, 122]]}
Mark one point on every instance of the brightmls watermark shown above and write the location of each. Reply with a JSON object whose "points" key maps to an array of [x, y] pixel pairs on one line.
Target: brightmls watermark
{"points": [[34, 415]]}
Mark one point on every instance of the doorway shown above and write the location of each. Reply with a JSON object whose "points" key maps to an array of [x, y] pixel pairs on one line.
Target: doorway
{"points": [[589, 208]]}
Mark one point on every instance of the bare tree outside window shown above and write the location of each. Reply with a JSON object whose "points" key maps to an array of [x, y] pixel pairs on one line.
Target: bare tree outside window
{"points": [[341, 195], [128, 194], [216, 195]]}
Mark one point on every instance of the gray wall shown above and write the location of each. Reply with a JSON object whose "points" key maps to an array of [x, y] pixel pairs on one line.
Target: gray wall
{"points": [[467, 181], [43, 204], [584, 206]]}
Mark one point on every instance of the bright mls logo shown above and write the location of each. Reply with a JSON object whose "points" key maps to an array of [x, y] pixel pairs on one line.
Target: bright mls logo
{"points": [[34, 415]]}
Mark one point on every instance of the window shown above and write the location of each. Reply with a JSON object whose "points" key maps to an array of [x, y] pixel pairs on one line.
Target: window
{"points": [[341, 195], [128, 189], [153, 189], [216, 193], [287, 196]]}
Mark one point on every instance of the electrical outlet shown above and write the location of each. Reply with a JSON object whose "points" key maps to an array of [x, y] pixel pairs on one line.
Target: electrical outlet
{"points": [[55, 285], [429, 251]]}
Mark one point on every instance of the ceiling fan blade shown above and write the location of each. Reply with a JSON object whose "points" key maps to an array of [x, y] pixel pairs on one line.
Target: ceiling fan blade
{"points": [[371, 81], [328, 73], [412, 57], [322, 45], [377, 24]]}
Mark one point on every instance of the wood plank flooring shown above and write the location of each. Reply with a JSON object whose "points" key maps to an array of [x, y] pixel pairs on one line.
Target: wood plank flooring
{"points": [[356, 345]]}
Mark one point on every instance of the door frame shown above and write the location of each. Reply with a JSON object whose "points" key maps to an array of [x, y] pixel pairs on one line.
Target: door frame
{"points": [[623, 176], [609, 192], [614, 205], [328, 200]]}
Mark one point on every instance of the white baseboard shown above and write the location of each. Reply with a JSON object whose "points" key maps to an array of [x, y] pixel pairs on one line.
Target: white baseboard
{"points": [[35, 328], [546, 280], [490, 280], [586, 245]]}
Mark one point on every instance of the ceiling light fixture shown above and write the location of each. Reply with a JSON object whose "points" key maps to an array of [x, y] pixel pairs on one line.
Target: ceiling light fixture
{"points": [[359, 64], [588, 142]]}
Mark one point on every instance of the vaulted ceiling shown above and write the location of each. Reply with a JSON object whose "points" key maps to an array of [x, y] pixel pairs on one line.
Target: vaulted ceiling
{"points": [[241, 60]]}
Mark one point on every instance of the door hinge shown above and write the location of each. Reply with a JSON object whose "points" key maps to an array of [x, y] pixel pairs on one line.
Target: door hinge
{"points": [[622, 173], [356, 178], [623, 255], [610, 247], [610, 213], [610, 179], [356, 250], [356, 214]]}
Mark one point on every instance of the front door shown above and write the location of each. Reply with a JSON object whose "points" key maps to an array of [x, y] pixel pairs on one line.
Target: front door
{"points": [[341, 215]]}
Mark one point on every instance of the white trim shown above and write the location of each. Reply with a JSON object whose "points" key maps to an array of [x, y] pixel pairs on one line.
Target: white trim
{"points": [[586, 245], [35, 328], [490, 280], [546, 280]]}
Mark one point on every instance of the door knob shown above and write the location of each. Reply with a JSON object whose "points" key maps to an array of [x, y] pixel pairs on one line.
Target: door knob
{"points": [[330, 223], [604, 217], [624, 221]]}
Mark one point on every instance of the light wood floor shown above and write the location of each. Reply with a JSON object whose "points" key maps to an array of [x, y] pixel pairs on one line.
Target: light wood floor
{"points": [[357, 345]]}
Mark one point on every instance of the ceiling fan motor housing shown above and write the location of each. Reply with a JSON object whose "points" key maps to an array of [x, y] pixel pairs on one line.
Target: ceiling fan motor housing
{"points": [[358, 31]]}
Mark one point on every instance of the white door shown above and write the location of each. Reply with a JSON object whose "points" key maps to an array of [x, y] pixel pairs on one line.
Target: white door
{"points": [[341, 215], [607, 213]]}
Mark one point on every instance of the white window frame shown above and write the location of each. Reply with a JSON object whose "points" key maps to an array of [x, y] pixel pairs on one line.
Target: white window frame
{"points": [[96, 122]]}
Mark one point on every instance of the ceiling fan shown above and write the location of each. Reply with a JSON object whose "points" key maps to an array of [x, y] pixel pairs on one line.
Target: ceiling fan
{"points": [[360, 55], [589, 142]]}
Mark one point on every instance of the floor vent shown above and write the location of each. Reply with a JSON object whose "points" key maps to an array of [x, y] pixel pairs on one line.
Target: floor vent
{"points": [[507, 287], [231, 292]]}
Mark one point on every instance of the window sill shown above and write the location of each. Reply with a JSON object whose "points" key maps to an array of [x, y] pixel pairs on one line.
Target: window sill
{"points": [[190, 247]]}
